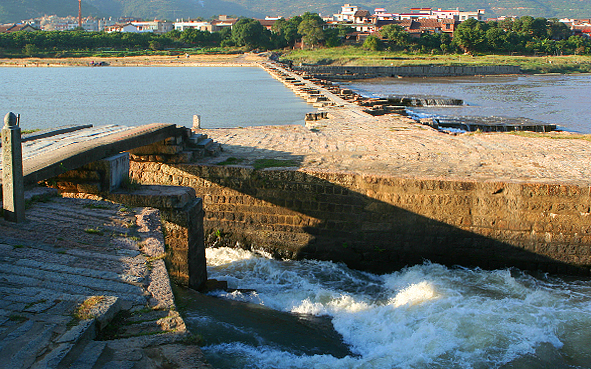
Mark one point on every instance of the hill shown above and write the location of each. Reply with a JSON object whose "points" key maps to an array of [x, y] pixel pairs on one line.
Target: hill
{"points": [[16, 10]]}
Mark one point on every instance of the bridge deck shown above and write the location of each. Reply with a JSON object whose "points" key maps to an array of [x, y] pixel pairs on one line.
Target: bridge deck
{"points": [[54, 154]]}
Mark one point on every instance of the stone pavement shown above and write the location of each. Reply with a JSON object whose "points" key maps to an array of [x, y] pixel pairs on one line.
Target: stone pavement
{"points": [[353, 141], [83, 285]]}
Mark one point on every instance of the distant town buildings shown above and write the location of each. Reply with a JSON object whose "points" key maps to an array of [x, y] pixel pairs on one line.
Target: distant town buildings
{"points": [[415, 22], [581, 27], [155, 26]]}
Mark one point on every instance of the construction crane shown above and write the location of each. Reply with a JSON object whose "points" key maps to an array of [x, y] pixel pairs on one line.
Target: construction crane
{"points": [[79, 13]]}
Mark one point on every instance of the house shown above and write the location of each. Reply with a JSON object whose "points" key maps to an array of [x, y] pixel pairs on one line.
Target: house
{"points": [[362, 16], [267, 23], [127, 27], [222, 22], [198, 25], [9, 28], [156, 26], [457, 15], [380, 15], [347, 13], [417, 27]]}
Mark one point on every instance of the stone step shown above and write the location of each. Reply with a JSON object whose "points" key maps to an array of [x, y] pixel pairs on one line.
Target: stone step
{"points": [[195, 138], [92, 273], [70, 345], [89, 355], [71, 279], [22, 350], [204, 144], [214, 150]]}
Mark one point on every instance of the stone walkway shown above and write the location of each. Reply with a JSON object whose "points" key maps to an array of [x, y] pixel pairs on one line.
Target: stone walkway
{"points": [[83, 285], [353, 141]]}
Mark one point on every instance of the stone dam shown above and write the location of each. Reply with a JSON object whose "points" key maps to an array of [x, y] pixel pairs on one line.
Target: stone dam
{"points": [[382, 192]]}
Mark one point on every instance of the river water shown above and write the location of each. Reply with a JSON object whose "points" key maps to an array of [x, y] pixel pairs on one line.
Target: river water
{"points": [[224, 97], [298, 314], [554, 99]]}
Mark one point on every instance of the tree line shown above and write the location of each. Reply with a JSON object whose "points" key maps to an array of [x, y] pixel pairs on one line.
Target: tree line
{"points": [[526, 35]]}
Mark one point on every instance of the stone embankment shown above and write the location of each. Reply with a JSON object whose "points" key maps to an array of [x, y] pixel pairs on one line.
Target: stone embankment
{"points": [[83, 284], [381, 192], [351, 72]]}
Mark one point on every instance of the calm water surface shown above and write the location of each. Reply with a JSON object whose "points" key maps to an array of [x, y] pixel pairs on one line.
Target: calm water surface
{"points": [[224, 97], [556, 99]]}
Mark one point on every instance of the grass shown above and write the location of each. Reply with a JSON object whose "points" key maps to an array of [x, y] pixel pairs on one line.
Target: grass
{"points": [[41, 198], [354, 56], [84, 310], [273, 163], [96, 231], [231, 161]]}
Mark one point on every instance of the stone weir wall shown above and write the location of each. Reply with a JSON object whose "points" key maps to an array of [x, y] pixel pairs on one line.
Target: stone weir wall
{"points": [[381, 224], [344, 72]]}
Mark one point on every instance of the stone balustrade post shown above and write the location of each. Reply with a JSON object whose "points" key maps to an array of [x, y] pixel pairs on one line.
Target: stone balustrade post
{"points": [[196, 122], [13, 189]]}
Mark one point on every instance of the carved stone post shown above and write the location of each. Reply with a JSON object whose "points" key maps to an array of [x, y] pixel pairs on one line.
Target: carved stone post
{"points": [[13, 189], [196, 122]]}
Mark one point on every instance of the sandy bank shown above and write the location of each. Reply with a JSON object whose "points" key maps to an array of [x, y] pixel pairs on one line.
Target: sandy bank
{"points": [[230, 60]]}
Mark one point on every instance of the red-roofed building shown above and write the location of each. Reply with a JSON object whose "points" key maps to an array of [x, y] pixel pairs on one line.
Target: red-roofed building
{"points": [[9, 28]]}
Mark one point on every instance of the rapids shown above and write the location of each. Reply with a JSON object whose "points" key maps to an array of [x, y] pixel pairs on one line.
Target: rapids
{"points": [[424, 316]]}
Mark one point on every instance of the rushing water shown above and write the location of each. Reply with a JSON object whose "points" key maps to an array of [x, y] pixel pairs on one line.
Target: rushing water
{"points": [[554, 99], [224, 97], [425, 316]]}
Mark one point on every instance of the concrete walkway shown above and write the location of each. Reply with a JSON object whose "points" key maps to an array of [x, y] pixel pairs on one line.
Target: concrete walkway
{"points": [[355, 142], [83, 285]]}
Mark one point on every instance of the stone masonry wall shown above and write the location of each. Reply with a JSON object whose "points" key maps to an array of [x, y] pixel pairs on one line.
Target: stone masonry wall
{"points": [[382, 224], [348, 72]]}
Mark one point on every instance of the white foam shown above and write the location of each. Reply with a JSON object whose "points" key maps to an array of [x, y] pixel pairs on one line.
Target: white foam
{"points": [[426, 315]]}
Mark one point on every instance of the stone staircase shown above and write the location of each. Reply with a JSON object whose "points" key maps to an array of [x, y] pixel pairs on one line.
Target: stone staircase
{"points": [[81, 286], [204, 146]]}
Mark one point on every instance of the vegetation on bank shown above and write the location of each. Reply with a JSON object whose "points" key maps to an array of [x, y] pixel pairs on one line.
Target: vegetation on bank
{"points": [[537, 45], [355, 56]]}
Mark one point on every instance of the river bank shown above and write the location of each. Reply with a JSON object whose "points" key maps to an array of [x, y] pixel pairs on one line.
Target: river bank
{"points": [[334, 57], [227, 60]]}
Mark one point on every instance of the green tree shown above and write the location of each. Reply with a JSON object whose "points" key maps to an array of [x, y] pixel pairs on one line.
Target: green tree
{"points": [[30, 49], [396, 35], [250, 33], [287, 31], [372, 43], [311, 29], [496, 39], [469, 35]]}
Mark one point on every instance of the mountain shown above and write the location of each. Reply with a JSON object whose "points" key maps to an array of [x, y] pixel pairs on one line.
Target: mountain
{"points": [[16, 10]]}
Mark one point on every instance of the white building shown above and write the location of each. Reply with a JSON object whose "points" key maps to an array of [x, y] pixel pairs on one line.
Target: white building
{"points": [[201, 26], [156, 26], [381, 14], [347, 13]]}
